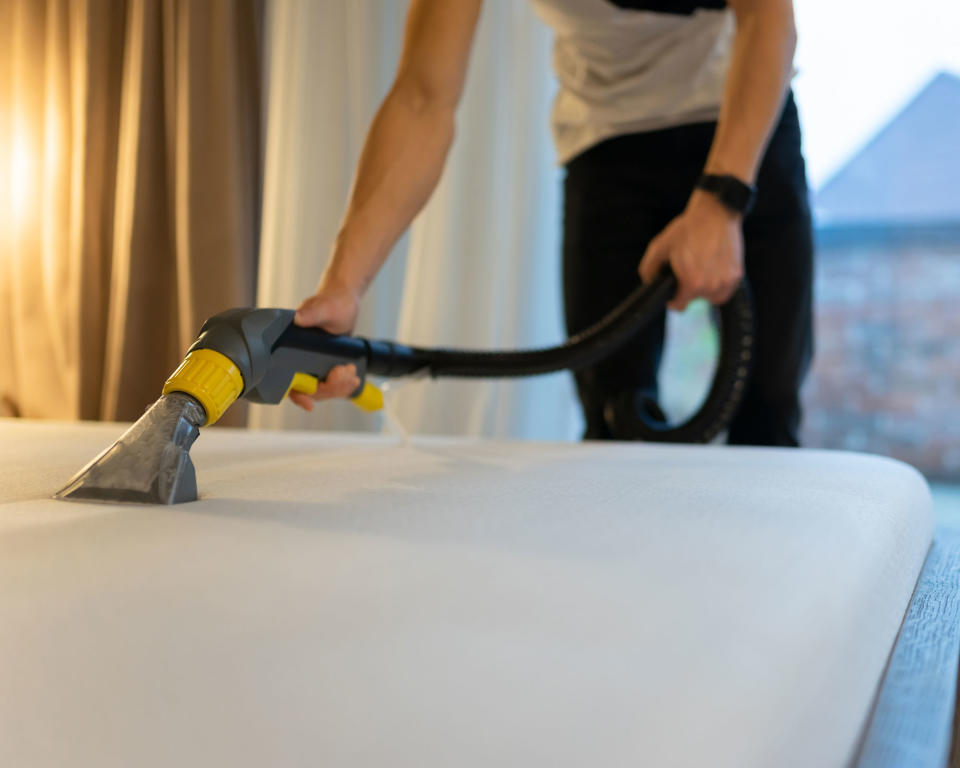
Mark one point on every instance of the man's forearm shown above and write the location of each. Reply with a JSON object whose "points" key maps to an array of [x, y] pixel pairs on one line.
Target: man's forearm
{"points": [[400, 165], [760, 70]]}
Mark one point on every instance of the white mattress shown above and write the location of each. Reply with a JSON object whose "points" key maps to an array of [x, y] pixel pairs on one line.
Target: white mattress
{"points": [[337, 601]]}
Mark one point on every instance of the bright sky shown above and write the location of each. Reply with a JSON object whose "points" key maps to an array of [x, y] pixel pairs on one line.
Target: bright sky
{"points": [[860, 62]]}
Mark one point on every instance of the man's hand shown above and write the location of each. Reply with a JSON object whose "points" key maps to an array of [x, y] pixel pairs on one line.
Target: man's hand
{"points": [[704, 246], [333, 308]]}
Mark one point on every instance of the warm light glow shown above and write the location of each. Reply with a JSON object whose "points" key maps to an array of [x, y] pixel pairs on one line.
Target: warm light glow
{"points": [[16, 174], [20, 173], [4, 182]]}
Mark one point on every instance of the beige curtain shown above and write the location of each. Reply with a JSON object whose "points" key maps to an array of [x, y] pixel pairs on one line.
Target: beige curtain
{"points": [[130, 160]]}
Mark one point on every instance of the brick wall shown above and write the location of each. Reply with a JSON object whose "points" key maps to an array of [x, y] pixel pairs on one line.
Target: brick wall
{"points": [[886, 376]]}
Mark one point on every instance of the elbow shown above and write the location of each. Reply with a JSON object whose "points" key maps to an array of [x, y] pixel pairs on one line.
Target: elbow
{"points": [[768, 19], [422, 97], [790, 33], [418, 105]]}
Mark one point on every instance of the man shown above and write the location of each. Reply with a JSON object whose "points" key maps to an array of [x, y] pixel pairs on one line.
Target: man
{"points": [[681, 144]]}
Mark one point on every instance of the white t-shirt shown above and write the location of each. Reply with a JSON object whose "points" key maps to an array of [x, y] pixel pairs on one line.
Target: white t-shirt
{"points": [[626, 66]]}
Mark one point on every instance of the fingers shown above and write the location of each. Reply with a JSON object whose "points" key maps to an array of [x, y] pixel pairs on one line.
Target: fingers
{"points": [[663, 250], [694, 284], [304, 401], [689, 284], [723, 282], [705, 253], [656, 255], [341, 381], [694, 280], [721, 295], [709, 274], [684, 295]]}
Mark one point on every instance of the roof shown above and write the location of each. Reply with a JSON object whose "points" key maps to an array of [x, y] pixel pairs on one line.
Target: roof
{"points": [[909, 173]]}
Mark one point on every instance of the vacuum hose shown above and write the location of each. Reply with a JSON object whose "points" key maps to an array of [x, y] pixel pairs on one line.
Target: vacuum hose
{"points": [[631, 415], [261, 355]]}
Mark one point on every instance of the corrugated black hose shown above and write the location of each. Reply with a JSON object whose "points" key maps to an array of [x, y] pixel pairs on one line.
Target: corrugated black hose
{"points": [[630, 415]]}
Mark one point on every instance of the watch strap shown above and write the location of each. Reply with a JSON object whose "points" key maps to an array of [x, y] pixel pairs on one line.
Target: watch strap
{"points": [[734, 193]]}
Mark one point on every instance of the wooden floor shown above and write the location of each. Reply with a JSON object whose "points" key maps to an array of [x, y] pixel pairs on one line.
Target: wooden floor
{"points": [[915, 721], [946, 500], [954, 750]]}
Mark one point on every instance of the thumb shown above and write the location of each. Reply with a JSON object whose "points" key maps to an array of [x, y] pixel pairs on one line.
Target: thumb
{"points": [[313, 311], [654, 258]]}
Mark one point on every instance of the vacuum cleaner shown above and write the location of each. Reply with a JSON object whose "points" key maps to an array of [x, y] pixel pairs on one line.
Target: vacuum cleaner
{"points": [[260, 355]]}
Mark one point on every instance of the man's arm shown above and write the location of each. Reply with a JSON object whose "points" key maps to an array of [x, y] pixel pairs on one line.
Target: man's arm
{"points": [[704, 245], [399, 167]]}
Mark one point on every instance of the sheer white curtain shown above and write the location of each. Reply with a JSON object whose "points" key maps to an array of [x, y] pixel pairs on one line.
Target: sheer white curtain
{"points": [[482, 264]]}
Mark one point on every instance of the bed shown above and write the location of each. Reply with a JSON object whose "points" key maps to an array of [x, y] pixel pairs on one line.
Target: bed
{"points": [[353, 600]]}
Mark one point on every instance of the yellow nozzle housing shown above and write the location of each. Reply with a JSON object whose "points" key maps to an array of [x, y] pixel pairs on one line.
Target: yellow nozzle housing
{"points": [[210, 377]]}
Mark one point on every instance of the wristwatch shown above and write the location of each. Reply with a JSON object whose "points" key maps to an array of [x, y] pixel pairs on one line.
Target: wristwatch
{"points": [[735, 194]]}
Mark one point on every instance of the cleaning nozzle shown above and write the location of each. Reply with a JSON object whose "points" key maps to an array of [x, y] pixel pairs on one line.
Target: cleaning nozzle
{"points": [[150, 463], [254, 353]]}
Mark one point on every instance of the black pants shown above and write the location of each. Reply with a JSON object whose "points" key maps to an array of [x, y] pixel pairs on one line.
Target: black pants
{"points": [[620, 194]]}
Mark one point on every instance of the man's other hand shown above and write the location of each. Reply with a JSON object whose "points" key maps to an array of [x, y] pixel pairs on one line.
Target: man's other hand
{"points": [[704, 246], [333, 308]]}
